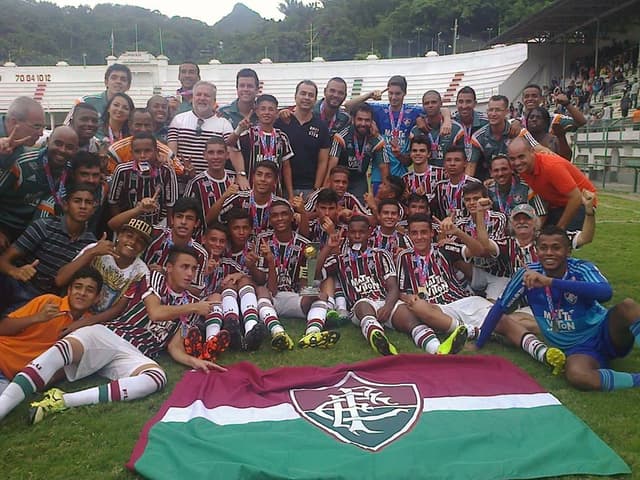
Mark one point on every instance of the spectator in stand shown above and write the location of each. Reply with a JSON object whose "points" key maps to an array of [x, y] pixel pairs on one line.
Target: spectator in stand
{"points": [[625, 104], [635, 86]]}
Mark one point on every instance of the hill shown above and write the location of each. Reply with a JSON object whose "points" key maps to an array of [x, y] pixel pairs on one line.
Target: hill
{"points": [[241, 20]]}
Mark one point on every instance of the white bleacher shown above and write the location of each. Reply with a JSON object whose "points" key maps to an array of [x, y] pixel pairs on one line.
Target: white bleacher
{"points": [[484, 70]]}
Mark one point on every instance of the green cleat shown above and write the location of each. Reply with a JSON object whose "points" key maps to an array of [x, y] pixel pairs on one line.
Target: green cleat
{"points": [[555, 358], [336, 318], [281, 342], [324, 339], [455, 342], [381, 344], [51, 403]]}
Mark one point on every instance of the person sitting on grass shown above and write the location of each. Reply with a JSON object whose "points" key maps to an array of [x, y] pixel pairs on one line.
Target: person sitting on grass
{"points": [[30, 330], [120, 350], [565, 294], [369, 281]]}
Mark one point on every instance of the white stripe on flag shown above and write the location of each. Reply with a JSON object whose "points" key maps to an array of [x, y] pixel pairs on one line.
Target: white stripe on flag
{"points": [[227, 415]]}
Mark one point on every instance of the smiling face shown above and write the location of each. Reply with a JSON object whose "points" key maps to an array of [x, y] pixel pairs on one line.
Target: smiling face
{"points": [[159, 108], [334, 93], [85, 123], [117, 82], [215, 241], [466, 103], [496, 112], [204, 97], [523, 226], [389, 216], [419, 153], [141, 122], [267, 112], [306, 96], [130, 243], [521, 156], [536, 123], [420, 234], [532, 98], [62, 145], [31, 127], [82, 293], [396, 96], [119, 110], [501, 171], [281, 218], [188, 75], [264, 180], [216, 156], [247, 89], [553, 252], [363, 121]]}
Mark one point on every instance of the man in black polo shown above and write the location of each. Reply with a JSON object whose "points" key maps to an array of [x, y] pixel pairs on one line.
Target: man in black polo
{"points": [[310, 141]]}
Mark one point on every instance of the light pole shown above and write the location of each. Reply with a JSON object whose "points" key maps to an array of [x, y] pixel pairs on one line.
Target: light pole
{"points": [[409, 42], [84, 60], [419, 31], [439, 33]]}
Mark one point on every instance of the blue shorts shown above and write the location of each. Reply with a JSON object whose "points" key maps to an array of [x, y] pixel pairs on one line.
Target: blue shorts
{"points": [[600, 346]]}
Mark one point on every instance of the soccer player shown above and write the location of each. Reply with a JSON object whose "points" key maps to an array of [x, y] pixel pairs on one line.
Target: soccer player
{"points": [[436, 297], [355, 148], [262, 141], [424, 176], [257, 201], [432, 127], [556, 180], [144, 177], [30, 330], [348, 204], [119, 350], [368, 279], [447, 198], [565, 294], [391, 188], [119, 265], [508, 189], [283, 251], [468, 117], [30, 265], [386, 236], [215, 184], [328, 107]]}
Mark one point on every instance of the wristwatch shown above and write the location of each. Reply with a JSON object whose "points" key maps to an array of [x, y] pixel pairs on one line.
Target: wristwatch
{"points": [[243, 173]]}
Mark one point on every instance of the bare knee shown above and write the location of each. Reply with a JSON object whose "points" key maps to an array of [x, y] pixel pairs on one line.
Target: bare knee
{"points": [[582, 378], [629, 309]]}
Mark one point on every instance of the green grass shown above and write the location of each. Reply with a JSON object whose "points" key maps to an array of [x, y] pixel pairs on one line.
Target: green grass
{"points": [[96, 441]]}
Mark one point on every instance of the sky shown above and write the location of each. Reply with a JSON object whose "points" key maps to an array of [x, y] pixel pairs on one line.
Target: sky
{"points": [[207, 11]]}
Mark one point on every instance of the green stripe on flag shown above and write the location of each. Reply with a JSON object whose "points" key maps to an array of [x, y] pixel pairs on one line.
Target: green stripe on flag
{"points": [[479, 444]]}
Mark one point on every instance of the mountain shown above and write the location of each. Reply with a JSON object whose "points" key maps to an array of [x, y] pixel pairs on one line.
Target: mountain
{"points": [[241, 20]]}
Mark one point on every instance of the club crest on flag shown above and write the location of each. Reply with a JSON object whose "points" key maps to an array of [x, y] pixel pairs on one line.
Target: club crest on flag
{"points": [[360, 412]]}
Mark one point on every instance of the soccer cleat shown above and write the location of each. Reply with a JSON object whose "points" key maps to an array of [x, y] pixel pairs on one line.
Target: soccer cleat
{"points": [[324, 339], [215, 345], [555, 358], [336, 318], [381, 344], [454, 343], [281, 341], [254, 337], [193, 342], [235, 335], [51, 403]]}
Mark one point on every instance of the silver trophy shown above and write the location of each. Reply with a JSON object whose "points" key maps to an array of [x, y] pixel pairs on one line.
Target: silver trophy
{"points": [[309, 272]]}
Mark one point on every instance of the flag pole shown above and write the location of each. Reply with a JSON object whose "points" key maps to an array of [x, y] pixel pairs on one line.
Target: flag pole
{"points": [[112, 43], [161, 46], [136, 38]]}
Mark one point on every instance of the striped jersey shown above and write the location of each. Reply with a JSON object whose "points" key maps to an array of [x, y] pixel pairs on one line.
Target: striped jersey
{"points": [[191, 134], [518, 193], [129, 185], [393, 243], [348, 201], [213, 280], [425, 182], [257, 145], [208, 190], [289, 259], [496, 223], [438, 143], [245, 200], [157, 253], [432, 277], [120, 152], [361, 274], [448, 197]]}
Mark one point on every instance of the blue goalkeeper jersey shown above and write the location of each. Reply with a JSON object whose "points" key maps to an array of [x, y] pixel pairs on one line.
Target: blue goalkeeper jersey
{"points": [[566, 318]]}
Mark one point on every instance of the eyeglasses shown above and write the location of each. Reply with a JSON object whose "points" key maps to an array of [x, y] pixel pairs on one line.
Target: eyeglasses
{"points": [[33, 126], [199, 127]]}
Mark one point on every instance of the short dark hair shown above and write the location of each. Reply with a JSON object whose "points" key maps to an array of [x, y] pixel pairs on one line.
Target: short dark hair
{"points": [[184, 204], [216, 140], [466, 89], [85, 159], [550, 230], [456, 149], [247, 73], [78, 187], [419, 217], [176, 251], [237, 213], [432, 92], [311, 83], [281, 202], [474, 187], [265, 97], [499, 156], [417, 198], [144, 136], [500, 98], [533, 85], [83, 106], [398, 81], [220, 227], [118, 67], [421, 139], [87, 272], [267, 164], [362, 107], [190, 62], [327, 195], [388, 201], [139, 110], [339, 169], [338, 79], [357, 219]]}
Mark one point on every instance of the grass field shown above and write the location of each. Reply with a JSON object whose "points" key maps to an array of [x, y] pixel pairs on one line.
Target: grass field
{"points": [[96, 441]]}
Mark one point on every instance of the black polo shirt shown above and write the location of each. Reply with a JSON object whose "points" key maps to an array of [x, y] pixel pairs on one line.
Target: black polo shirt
{"points": [[306, 141]]}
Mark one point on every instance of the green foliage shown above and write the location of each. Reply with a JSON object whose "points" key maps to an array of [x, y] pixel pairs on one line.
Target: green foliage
{"points": [[342, 30]]}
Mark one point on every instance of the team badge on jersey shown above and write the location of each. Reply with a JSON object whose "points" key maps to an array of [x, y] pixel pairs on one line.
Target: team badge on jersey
{"points": [[571, 298], [359, 412]]}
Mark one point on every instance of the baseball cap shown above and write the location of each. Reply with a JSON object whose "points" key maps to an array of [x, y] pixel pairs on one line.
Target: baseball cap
{"points": [[141, 227], [523, 208]]}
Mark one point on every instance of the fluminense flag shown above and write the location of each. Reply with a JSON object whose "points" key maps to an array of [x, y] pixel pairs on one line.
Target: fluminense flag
{"points": [[404, 417]]}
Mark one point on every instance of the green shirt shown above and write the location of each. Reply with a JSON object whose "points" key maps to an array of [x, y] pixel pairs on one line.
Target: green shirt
{"points": [[231, 113]]}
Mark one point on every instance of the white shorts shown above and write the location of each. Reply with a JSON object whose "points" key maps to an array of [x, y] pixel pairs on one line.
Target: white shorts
{"points": [[288, 304], [470, 310], [492, 285], [106, 354], [377, 305]]}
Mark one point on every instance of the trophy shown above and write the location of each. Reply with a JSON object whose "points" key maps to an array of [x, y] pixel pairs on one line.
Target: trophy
{"points": [[309, 272]]}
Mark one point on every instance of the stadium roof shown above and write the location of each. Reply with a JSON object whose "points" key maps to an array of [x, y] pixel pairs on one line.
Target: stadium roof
{"points": [[564, 17]]}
